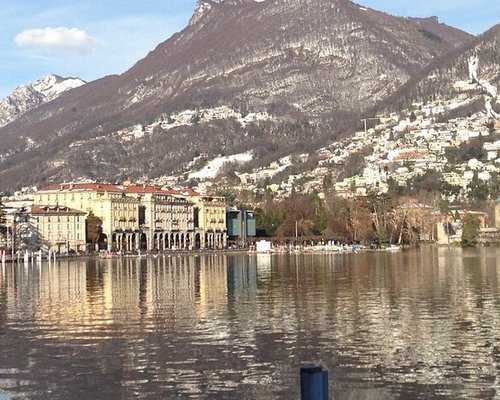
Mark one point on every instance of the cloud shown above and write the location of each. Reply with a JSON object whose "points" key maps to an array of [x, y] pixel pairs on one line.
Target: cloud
{"points": [[68, 40]]}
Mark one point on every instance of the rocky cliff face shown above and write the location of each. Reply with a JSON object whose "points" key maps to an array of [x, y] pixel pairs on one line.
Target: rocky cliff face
{"points": [[32, 95], [303, 68]]}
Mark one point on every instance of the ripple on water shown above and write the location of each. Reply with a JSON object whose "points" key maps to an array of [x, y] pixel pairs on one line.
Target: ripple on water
{"points": [[412, 325]]}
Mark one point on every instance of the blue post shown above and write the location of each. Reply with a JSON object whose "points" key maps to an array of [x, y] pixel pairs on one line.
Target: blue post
{"points": [[313, 382]]}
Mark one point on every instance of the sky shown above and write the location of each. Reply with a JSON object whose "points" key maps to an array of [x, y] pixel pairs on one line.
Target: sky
{"points": [[93, 38]]}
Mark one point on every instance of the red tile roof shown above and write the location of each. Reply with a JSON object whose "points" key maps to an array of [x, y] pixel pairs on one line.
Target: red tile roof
{"points": [[137, 189], [79, 187], [106, 187], [55, 210], [411, 155]]}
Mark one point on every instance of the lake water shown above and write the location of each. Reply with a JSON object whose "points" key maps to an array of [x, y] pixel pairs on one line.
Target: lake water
{"points": [[411, 325]]}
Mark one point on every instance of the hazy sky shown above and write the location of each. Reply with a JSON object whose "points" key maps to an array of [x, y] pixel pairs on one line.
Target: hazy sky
{"points": [[93, 38]]}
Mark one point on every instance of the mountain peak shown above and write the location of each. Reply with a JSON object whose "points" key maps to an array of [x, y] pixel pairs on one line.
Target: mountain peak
{"points": [[432, 28], [203, 7], [246, 75], [31, 95]]}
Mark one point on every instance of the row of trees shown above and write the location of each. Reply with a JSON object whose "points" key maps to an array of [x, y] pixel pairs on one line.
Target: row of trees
{"points": [[374, 220], [378, 220]]}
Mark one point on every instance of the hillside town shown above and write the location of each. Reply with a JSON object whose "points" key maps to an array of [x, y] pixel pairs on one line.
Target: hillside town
{"points": [[395, 154], [399, 148]]}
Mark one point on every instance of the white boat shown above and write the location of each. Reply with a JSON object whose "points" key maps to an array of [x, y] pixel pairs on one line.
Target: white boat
{"points": [[392, 248]]}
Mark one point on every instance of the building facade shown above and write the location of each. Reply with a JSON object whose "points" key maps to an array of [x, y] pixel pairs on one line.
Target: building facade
{"points": [[240, 225], [144, 217], [209, 220], [60, 229]]}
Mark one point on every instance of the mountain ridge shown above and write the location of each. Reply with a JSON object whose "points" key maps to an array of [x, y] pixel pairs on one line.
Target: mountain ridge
{"points": [[33, 94], [307, 74]]}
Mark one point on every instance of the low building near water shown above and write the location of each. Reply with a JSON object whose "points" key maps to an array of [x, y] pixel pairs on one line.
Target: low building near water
{"points": [[58, 228], [263, 246], [240, 225]]}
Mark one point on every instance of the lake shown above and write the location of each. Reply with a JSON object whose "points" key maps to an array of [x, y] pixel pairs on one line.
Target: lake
{"points": [[420, 324]]}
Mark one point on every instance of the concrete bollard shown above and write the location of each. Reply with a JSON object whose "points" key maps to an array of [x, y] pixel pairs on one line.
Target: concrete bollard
{"points": [[313, 382]]}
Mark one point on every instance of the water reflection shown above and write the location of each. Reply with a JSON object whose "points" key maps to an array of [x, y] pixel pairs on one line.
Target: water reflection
{"points": [[421, 324]]}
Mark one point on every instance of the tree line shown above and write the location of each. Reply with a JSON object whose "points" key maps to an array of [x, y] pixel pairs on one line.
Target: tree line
{"points": [[376, 220]]}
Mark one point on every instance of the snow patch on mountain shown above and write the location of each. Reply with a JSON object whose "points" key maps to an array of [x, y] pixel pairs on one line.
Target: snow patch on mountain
{"points": [[212, 168], [190, 118], [29, 96], [52, 86], [490, 90]]}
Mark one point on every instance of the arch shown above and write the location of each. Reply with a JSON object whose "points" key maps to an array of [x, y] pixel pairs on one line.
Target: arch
{"points": [[197, 241], [105, 242], [143, 242]]}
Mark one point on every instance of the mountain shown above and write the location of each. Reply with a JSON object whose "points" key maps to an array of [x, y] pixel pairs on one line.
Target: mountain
{"points": [[440, 78], [434, 29], [33, 94], [243, 75]]}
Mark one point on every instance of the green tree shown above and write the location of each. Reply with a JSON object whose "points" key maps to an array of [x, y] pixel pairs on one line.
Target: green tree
{"points": [[93, 229], [478, 190], [229, 194], [196, 118], [430, 181], [413, 117], [470, 230], [268, 221], [395, 189], [327, 181]]}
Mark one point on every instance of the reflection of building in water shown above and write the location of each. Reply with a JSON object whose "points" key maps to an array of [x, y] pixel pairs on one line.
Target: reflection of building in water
{"points": [[212, 282], [263, 262], [241, 277], [69, 296], [147, 287]]}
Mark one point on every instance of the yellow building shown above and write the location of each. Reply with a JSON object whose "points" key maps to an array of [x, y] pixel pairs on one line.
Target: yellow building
{"points": [[210, 218], [117, 212], [145, 217], [165, 217], [59, 228]]}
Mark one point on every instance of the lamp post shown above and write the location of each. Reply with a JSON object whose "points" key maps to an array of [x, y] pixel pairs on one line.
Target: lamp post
{"points": [[13, 237]]}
